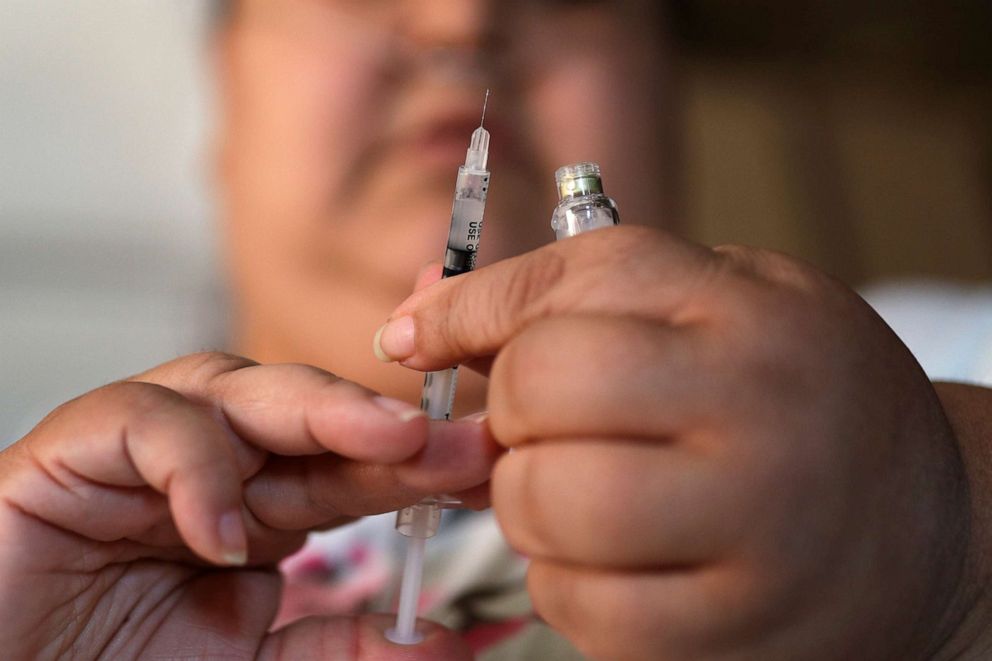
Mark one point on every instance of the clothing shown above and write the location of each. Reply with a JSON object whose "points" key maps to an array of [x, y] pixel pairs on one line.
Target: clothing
{"points": [[473, 583], [947, 326]]}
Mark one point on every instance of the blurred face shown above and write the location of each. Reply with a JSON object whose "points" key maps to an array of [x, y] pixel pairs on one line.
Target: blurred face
{"points": [[344, 122]]}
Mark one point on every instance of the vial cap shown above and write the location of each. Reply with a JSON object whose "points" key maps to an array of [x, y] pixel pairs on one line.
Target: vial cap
{"points": [[578, 179]]}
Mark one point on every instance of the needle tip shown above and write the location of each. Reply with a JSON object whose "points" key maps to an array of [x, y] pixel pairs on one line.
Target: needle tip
{"points": [[485, 104]]}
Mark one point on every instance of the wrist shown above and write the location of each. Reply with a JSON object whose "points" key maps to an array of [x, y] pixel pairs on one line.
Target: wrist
{"points": [[968, 621]]}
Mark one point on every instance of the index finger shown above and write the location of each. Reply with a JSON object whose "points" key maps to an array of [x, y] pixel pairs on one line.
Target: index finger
{"points": [[619, 271], [296, 409]]}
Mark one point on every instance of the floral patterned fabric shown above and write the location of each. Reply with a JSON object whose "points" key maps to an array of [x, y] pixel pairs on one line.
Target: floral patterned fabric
{"points": [[473, 583]]}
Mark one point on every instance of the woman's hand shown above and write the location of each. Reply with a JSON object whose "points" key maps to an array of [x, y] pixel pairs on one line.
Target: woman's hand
{"points": [[125, 512], [716, 453]]}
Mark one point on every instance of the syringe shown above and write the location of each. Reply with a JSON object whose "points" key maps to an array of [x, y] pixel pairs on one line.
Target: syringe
{"points": [[420, 522]]}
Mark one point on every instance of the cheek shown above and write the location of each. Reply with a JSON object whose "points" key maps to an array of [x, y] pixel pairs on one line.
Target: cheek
{"points": [[606, 106], [300, 108], [571, 111], [586, 106]]}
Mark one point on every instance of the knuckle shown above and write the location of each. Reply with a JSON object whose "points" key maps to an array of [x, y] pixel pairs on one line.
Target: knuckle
{"points": [[766, 292], [329, 383], [524, 295], [779, 307], [527, 286], [630, 238], [630, 268], [769, 267], [513, 387], [506, 420], [133, 401], [141, 408], [139, 398], [517, 503], [515, 299], [207, 365], [735, 253], [627, 245], [554, 597], [536, 376], [193, 372], [615, 620], [461, 331], [603, 616]]}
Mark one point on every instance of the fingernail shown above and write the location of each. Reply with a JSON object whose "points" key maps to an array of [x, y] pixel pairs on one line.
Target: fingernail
{"points": [[377, 349], [233, 538], [402, 410], [478, 418], [394, 341]]}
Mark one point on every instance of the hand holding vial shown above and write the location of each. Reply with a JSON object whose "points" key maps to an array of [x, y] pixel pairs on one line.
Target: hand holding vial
{"points": [[716, 452]]}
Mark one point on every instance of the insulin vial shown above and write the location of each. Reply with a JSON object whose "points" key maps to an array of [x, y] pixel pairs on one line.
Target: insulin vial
{"points": [[582, 205]]}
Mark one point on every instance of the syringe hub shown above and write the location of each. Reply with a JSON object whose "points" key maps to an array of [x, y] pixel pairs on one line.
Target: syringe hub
{"points": [[421, 520], [477, 155]]}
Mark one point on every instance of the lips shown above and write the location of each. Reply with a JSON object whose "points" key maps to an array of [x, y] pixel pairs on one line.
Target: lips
{"points": [[443, 140]]}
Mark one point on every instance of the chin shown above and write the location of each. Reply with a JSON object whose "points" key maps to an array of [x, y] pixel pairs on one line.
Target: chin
{"points": [[414, 232]]}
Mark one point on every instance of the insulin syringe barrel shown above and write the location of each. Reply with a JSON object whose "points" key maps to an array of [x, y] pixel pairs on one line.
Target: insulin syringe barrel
{"points": [[468, 208], [437, 398], [438, 394], [582, 204], [464, 233]]}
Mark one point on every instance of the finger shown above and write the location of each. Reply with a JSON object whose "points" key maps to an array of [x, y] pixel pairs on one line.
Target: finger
{"points": [[297, 409], [605, 376], [132, 435], [459, 456], [613, 503], [481, 365], [429, 274], [309, 492], [642, 615], [231, 608], [477, 498], [616, 271], [360, 639]]}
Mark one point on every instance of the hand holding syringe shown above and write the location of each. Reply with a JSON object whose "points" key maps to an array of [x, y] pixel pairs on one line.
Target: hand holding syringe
{"points": [[419, 522]]}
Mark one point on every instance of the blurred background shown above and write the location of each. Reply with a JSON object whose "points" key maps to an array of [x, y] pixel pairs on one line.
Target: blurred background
{"points": [[105, 238], [856, 137]]}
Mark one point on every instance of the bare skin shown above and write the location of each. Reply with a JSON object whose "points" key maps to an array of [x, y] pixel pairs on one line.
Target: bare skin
{"points": [[718, 454], [345, 122], [127, 512]]}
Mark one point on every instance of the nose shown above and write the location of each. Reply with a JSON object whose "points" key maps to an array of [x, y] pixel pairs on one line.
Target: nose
{"points": [[451, 24]]}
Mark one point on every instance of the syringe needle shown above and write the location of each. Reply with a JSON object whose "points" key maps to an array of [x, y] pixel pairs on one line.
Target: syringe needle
{"points": [[484, 105]]}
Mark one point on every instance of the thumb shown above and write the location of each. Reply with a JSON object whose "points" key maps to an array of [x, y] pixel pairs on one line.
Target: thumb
{"points": [[360, 639], [617, 271]]}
